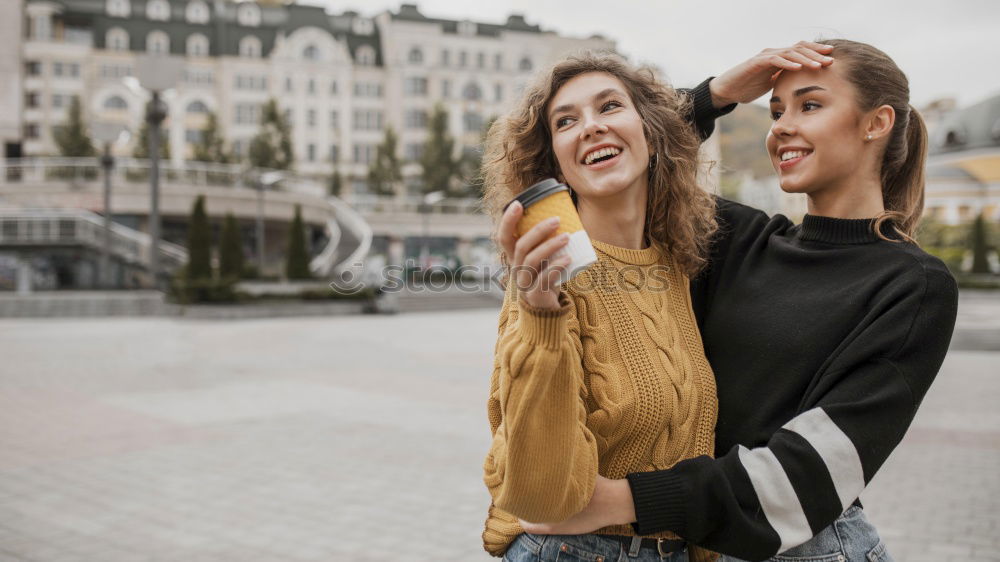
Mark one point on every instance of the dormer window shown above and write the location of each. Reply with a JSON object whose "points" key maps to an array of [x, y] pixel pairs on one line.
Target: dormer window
{"points": [[525, 64], [311, 52], [248, 14], [158, 43], [119, 8], [365, 56], [197, 45], [416, 56], [116, 39], [466, 28], [158, 10], [197, 12], [250, 47], [363, 26]]}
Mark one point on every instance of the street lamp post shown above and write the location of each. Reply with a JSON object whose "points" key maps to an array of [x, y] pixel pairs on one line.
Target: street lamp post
{"points": [[107, 133], [429, 200], [156, 74], [264, 181]]}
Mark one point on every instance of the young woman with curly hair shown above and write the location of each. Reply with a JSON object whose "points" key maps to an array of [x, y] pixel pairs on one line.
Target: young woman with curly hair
{"points": [[824, 337], [606, 374]]}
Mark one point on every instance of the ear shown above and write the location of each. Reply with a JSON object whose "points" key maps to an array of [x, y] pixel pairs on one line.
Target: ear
{"points": [[880, 122]]}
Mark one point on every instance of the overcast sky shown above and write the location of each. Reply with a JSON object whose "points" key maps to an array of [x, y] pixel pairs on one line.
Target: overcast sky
{"points": [[948, 49]]}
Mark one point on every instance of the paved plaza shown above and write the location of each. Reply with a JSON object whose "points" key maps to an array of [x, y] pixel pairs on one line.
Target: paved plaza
{"points": [[357, 438]]}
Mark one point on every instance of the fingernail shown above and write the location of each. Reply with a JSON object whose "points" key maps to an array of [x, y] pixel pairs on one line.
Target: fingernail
{"points": [[828, 59], [553, 221], [564, 237]]}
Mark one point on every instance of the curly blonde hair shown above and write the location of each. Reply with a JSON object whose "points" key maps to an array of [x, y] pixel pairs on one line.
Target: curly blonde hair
{"points": [[680, 215]]}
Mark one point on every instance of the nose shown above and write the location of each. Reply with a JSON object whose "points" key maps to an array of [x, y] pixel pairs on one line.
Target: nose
{"points": [[783, 127], [592, 126]]}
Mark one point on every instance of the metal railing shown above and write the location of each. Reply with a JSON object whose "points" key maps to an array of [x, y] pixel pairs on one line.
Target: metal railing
{"points": [[21, 171], [78, 227], [413, 204]]}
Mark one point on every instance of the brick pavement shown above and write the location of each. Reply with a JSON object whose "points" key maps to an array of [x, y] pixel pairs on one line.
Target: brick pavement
{"points": [[347, 438]]}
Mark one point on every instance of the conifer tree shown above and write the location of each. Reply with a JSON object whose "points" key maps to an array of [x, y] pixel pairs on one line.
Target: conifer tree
{"points": [[980, 246], [72, 137], [297, 259], [439, 167], [199, 267], [385, 172], [211, 146], [231, 249], [142, 143], [272, 146]]}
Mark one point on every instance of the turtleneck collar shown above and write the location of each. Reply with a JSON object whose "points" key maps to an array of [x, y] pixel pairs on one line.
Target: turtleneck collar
{"points": [[645, 256], [842, 231]]}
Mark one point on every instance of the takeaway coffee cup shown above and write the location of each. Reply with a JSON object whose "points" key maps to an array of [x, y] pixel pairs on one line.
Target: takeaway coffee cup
{"points": [[549, 198]]}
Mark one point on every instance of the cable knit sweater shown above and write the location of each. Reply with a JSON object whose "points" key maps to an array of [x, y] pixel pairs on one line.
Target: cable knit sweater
{"points": [[615, 381]]}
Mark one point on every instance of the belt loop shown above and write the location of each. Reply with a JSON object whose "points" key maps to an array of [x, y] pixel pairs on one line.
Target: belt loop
{"points": [[659, 548], [633, 549]]}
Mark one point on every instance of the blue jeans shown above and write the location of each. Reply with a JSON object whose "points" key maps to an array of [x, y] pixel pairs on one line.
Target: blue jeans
{"points": [[579, 548], [850, 538]]}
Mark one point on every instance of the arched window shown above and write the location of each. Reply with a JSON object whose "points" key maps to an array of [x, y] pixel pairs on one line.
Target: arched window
{"points": [[416, 56], [158, 10], [525, 64], [250, 47], [116, 103], [248, 14], [157, 43], [311, 52], [472, 92], [119, 8], [196, 12], [116, 39], [197, 106], [197, 45], [473, 122], [365, 56]]}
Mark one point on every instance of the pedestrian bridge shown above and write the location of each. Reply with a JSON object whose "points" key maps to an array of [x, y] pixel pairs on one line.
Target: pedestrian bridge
{"points": [[54, 201]]}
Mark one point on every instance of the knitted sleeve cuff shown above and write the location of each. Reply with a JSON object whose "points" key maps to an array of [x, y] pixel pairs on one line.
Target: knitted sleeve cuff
{"points": [[701, 98], [544, 327], [659, 498]]}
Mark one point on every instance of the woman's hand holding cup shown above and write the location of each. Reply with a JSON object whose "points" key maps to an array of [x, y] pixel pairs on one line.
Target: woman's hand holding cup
{"points": [[532, 268]]}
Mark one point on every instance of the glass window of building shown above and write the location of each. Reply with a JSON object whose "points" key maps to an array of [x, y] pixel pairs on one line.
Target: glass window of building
{"points": [[415, 119], [473, 122], [197, 45], [196, 11], [118, 8], [31, 99], [157, 43], [288, 84], [311, 86], [365, 56], [472, 92], [445, 57], [415, 56], [248, 14], [525, 64], [31, 130], [311, 52], [311, 152], [463, 58], [498, 61], [481, 60], [247, 113], [116, 39], [158, 10], [414, 151], [334, 120], [364, 153], [193, 136], [57, 69], [250, 47], [74, 69], [415, 86], [58, 101], [445, 89], [115, 103], [334, 153], [311, 118], [33, 68], [497, 92], [197, 106]]}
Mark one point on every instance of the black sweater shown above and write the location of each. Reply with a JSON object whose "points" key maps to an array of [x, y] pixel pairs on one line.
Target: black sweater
{"points": [[823, 339]]}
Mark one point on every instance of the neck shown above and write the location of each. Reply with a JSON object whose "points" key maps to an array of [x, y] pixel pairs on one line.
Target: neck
{"points": [[855, 198], [618, 220]]}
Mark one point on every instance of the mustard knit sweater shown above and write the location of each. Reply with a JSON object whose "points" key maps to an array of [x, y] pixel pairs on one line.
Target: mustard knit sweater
{"points": [[615, 381]]}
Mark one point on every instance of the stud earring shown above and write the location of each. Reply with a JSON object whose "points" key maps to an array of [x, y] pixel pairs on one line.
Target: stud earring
{"points": [[868, 138]]}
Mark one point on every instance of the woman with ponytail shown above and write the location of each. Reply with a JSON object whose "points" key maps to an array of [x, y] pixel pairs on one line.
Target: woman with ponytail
{"points": [[824, 337]]}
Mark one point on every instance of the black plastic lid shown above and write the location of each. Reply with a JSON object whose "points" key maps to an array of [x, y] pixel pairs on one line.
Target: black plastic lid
{"points": [[538, 192]]}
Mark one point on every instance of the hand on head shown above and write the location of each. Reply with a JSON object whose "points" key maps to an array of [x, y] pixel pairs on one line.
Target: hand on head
{"points": [[754, 77]]}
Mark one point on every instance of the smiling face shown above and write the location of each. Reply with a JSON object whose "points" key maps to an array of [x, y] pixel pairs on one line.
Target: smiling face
{"points": [[817, 140], [597, 136]]}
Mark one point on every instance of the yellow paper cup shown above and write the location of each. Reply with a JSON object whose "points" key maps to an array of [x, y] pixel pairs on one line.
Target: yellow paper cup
{"points": [[549, 198]]}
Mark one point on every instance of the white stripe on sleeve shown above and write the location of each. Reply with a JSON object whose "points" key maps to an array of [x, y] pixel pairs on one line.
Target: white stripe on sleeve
{"points": [[777, 497], [836, 449]]}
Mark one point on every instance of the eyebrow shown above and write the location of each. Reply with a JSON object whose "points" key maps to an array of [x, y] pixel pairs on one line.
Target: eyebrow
{"points": [[602, 94], [800, 92]]}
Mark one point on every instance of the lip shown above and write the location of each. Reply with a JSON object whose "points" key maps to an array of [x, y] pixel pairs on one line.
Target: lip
{"points": [[786, 164], [583, 159]]}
